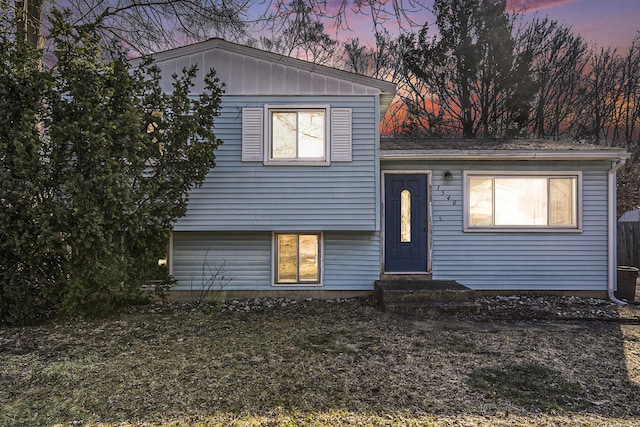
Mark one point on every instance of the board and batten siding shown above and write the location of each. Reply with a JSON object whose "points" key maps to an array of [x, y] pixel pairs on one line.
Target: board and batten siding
{"points": [[517, 260], [249, 71], [239, 195], [351, 261]]}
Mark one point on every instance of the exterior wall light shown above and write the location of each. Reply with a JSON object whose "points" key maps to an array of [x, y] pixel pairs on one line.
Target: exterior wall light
{"points": [[448, 176]]}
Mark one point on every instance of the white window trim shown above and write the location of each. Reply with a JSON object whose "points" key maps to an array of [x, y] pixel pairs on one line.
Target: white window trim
{"points": [[523, 228], [274, 259], [268, 160]]}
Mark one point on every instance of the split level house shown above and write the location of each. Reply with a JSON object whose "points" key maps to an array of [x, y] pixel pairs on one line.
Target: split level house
{"points": [[307, 198]]}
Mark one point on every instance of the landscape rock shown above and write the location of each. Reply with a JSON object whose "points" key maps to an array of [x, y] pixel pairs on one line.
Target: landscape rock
{"points": [[493, 308]]}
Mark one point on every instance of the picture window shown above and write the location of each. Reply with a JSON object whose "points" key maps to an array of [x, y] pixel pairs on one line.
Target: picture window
{"points": [[522, 202]]}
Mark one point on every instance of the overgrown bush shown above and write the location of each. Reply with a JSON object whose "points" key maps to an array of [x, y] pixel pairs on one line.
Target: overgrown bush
{"points": [[95, 165]]}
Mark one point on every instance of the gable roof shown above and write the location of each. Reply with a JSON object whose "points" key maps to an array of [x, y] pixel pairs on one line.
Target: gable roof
{"points": [[250, 71], [490, 149]]}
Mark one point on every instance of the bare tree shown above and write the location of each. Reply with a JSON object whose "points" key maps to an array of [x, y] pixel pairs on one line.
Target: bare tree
{"points": [[626, 115], [29, 15], [559, 61], [413, 111], [599, 96], [151, 25], [473, 69], [626, 124], [143, 25], [356, 57], [297, 31], [379, 60], [417, 110]]}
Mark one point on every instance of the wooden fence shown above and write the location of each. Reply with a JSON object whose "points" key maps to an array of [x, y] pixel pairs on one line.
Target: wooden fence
{"points": [[629, 243]]}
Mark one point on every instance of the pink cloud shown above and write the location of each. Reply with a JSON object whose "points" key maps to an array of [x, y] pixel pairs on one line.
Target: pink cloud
{"points": [[533, 5], [334, 6], [590, 30]]}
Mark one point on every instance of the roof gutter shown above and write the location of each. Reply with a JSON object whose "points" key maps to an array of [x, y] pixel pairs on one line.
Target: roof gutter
{"points": [[612, 232]]}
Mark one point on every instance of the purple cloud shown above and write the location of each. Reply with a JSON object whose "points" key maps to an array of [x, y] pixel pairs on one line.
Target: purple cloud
{"points": [[533, 5]]}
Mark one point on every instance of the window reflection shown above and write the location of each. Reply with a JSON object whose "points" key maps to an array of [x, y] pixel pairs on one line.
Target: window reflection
{"points": [[287, 258], [522, 201], [284, 135], [298, 134], [480, 201], [298, 258], [562, 209], [405, 216], [308, 260]]}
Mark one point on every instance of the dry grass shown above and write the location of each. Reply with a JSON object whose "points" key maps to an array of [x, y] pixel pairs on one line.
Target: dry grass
{"points": [[318, 363]]}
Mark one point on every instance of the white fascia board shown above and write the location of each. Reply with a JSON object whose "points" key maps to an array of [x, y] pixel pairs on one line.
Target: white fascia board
{"points": [[503, 155]]}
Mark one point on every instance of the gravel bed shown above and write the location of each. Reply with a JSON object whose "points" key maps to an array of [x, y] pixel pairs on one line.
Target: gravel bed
{"points": [[547, 307], [493, 308]]}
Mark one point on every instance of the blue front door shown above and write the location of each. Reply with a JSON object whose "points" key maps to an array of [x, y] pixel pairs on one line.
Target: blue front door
{"points": [[406, 223]]}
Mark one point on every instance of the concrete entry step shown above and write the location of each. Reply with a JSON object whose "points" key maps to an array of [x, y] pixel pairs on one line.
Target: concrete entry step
{"points": [[433, 309], [425, 297]]}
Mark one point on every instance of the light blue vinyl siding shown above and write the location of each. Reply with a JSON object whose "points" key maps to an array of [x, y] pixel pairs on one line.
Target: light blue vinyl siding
{"points": [[240, 195], [517, 260], [351, 260], [246, 258]]}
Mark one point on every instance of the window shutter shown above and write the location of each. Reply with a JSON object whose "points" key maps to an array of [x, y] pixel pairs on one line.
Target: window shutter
{"points": [[341, 134], [252, 134]]}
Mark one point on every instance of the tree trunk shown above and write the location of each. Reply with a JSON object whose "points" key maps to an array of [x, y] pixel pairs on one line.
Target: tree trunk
{"points": [[29, 22]]}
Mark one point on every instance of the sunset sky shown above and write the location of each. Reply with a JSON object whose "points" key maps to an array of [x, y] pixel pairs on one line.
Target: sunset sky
{"points": [[604, 22]]}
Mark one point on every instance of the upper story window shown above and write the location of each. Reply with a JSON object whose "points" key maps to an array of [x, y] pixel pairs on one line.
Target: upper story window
{"points": [[297, 135], [531, 202], [308, 135]]}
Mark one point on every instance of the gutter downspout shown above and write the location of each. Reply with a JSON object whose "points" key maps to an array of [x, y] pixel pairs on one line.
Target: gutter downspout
{"points": [[612, 276]]}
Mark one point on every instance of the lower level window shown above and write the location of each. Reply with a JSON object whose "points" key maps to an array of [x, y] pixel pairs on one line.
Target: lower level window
{"points": [[520, 202], [297, 258]]}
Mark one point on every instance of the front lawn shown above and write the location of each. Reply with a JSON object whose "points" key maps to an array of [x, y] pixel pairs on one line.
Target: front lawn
{"points": [[318, 364]]}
